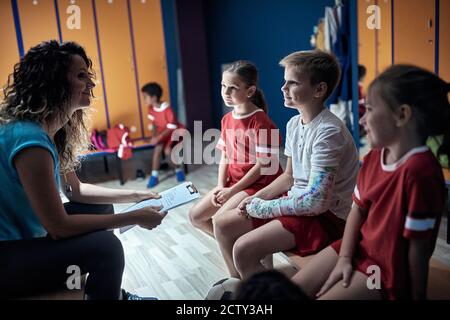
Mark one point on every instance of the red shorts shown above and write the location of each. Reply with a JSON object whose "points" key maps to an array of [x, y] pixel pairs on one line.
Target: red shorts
{"points": [[254, 188], [362, 262], [168, 143], [312, 234]]}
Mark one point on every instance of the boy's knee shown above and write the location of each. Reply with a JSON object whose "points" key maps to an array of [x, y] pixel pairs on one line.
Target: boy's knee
{"points": [[222, 224]]}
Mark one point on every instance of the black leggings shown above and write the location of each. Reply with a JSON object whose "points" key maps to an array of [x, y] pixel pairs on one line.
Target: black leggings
{"points": [[29, 267]]}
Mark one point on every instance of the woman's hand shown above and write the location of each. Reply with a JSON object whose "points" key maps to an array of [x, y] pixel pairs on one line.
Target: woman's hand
{"points": [[149, 217], [145, 195], [342, 270], [224, 195]]}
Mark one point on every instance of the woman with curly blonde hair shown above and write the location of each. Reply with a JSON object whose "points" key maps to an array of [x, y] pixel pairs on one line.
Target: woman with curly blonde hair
{"points": [[42, 133]]}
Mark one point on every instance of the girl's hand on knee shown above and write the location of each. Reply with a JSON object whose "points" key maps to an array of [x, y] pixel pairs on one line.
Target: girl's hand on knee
{"points": [[214, 200], [224, 195], [343, 270], [150, 217]]}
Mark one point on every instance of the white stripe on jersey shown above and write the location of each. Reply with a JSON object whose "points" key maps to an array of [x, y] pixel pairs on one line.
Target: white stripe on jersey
{"points": [[260, 149], [357, 193]]}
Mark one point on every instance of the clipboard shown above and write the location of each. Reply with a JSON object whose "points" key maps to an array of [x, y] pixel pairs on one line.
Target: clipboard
{"points": [[170, 199]]}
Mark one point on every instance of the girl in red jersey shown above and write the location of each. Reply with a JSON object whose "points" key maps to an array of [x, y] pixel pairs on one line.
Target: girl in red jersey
{"points": [[399, 197], [249, 143]]}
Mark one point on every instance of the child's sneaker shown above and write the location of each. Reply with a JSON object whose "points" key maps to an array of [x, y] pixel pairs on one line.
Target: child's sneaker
{"points": [[129, 296], [180, 175], [153, 181]]}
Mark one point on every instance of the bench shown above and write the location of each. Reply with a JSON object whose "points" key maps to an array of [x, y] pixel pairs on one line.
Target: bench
{"points": [[438, 277], [137, 145]]}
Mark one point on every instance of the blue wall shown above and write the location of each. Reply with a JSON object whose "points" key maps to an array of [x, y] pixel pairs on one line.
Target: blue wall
{"points": [[171, 43], [262, 31]]}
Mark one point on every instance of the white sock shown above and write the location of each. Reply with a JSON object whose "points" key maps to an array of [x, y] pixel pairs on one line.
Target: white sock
{"points": [[154, 173], [178, 170]]}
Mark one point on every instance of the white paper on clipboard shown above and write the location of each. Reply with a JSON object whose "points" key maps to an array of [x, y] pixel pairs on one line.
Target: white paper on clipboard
{"points": [[170, 199]]}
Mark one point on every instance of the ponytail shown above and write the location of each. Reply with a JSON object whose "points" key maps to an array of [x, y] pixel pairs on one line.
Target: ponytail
{"points": [[425, 92], [248, 73], [259, 100]]}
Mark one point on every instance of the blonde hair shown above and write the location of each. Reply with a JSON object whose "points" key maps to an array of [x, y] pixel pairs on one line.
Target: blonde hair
{"points": [[319, 65]]}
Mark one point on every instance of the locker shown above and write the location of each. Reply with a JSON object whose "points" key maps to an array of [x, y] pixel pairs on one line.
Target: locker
{"points": [[9, 53], [38, 21], [444, 39], [148, 35], [366, 42], [86, 37], [384, 39], [118, 66], [414, 33]]}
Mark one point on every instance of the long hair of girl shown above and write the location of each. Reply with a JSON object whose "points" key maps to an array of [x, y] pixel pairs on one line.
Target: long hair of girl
{"points": [[259, 100]]}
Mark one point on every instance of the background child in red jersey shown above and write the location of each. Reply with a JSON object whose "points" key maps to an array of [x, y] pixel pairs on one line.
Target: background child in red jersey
{"points": [[164, 122], [399, 196]]}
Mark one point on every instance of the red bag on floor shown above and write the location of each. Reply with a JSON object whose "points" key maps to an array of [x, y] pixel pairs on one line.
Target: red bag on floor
{"points": [[119, 138]]}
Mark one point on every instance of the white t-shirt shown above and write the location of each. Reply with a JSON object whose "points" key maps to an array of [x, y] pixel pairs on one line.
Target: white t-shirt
{"points": [[323, 142]]}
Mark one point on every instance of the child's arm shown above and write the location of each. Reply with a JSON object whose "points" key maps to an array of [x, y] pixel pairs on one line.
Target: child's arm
{"points": [[418, 258], [221, 179], [343, 269], [355, 219], [327, 151], [280, 185], [223, 166], [36, 173], [250, 177], [89, 193], [314, 200]]}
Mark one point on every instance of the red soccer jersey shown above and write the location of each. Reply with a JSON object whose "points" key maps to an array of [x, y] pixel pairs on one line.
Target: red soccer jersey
{"points": [[404, 201], [163, 117], [245, 138]]}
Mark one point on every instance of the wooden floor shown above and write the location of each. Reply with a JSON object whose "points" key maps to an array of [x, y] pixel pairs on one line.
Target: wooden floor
{"points": [[177, 261]]}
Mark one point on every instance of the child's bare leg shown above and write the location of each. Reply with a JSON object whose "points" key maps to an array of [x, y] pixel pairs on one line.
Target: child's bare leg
{"points": [[252, 247], [201, 213], [228, 227], [157, 156], [356, 290], [313, 276], [168, 154]]}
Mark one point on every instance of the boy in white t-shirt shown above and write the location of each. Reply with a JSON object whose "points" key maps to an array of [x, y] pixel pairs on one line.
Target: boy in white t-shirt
{"points": [[319, 178]]}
